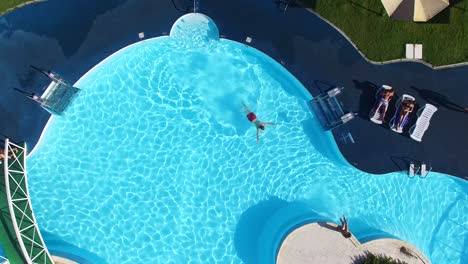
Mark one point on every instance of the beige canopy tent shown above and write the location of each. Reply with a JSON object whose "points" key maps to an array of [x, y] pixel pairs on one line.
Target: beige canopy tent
{"points": [[416, 10]]}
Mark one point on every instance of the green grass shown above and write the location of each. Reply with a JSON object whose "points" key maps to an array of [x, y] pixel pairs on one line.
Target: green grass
{"points": [[445, 37], [8, 5], [380, 38]]}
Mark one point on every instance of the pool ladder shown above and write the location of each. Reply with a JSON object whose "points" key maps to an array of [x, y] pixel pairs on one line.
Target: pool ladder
{"points": [[195, 6], [329, 109], [420, 168]]}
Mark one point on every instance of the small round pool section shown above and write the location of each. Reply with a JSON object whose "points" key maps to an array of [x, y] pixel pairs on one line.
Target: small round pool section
{"points": [[156, 162]]}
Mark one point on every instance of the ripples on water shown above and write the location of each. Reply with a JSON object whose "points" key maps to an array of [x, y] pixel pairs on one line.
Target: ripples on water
{"points": [[155, 162]]}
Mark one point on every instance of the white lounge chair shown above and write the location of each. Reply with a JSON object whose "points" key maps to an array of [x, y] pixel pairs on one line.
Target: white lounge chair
{"points": [[410, 51], [418, 51], [374, 115], [392, 121], [422, 124]]}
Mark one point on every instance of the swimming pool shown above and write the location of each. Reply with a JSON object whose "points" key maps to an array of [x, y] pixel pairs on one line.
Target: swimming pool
{"points": [[155, 162]]}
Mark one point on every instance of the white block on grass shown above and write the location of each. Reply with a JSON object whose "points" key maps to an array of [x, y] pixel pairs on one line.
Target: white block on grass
{"points": [[410, 51], [418, 51]]}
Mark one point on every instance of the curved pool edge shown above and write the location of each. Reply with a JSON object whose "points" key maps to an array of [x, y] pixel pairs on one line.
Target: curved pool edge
{"points": [[312, 239], [394, 61], [296, 215], [402, 172], [284, 70], [277, 66], [338, 157], [77, 83]]}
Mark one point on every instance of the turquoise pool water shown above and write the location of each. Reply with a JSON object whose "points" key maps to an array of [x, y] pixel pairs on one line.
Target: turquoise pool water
{"points": [[155, 162]]}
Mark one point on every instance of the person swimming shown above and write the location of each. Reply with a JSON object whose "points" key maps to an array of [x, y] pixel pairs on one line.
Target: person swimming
{"points": [[258, 124]]}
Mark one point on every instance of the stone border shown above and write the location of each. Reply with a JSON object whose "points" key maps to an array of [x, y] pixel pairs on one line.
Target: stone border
{"points": [[383, 62], [82, 77]]}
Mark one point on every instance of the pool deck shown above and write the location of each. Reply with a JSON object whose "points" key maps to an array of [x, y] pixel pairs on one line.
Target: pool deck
{"points": [[61, 260], [312, 50], [322, 243]]}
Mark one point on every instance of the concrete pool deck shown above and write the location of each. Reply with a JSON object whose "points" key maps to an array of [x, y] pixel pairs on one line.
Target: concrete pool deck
{"points": [[322, 243], [312, 50], [61, 260]]}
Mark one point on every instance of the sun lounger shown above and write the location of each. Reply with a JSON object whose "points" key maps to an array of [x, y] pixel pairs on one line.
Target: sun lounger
{"points": [[376, 119], [422, 124], [375, 116], [393, 121], [410, 51], [418, 51]]}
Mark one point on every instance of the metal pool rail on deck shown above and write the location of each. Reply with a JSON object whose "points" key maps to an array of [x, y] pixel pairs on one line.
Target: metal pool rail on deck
{"points": [[329, 109], [58, 95], [26, 231]]}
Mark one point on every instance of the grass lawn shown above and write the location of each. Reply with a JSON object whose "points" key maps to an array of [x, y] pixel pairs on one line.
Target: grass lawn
{"points": [[8, 5], [445, 37]]}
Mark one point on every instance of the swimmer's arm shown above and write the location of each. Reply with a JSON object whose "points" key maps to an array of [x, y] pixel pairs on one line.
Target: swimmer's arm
{"points": [[258, 135], [270, 124], [245, 108]]}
